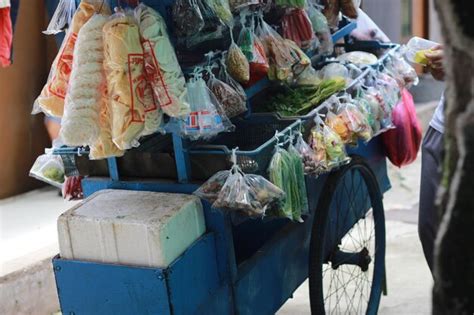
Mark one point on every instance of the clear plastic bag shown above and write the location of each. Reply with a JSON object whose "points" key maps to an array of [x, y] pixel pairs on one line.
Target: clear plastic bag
{"points": [[280, 57], [51, 99], [126, 80], [162, 69], [187, 18], [237, 195], [359, 58], [211, 188], [237, 5], [401, 67], [297, 27], [227, 78], [325, 138], [356, 121], [267, 194], [62, 17], [207, 117], [383, 112], [231, 101], [334, 70], [311, 164], [80, 124], [237, 64], [308, 77], [321, 29], [49, 168], [301, 193], [213, 26]]}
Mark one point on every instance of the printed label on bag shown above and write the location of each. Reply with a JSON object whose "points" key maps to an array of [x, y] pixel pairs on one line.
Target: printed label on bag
{"points": [[60, 80], [192, 122], [155, 76], [139, 96]]}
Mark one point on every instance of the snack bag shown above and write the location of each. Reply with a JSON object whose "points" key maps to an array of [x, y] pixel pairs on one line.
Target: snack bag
{"points": [[49, 168], [356, 121], [338, 124], [126, 80], [162, 69], [51, 99], [232, 103], [331, 142], [80, 124], [104, 147]]}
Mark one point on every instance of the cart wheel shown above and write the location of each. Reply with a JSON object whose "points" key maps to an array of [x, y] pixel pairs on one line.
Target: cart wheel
{"points": [[347, 250]]}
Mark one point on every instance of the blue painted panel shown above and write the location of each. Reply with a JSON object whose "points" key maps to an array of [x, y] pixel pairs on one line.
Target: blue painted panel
{"points": [[92, 288], [193, 278], [271, 276], [221, 303]]}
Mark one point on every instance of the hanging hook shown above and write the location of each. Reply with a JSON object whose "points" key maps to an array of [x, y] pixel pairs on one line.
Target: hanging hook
{"points": [[233, 157]]}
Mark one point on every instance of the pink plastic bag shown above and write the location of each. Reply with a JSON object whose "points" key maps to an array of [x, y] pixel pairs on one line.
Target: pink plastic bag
{"points": [[403, 143]]}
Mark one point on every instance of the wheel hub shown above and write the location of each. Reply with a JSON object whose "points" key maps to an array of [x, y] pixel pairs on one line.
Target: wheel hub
{"points": [[361, 259]]}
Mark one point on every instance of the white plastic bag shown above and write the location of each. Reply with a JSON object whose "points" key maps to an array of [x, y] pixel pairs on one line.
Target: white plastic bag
{"points": [[61, 17], [49, 169]]}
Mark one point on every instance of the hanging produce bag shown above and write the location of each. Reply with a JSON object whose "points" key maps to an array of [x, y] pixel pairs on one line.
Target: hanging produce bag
{"points": [[126, 81], [298, 169], [80, 124], [297, 27], [213, 26], [310, 161], [51, 99], [49, 168], [227, 78], [237, 5], [207, 117], [339, 126], [211, 188], [279, 54], [231, 101], [403, 143], [321, 29], [356, 121], [282, 173], [237, 64], [328, 145], [162, 69], [187, 18]]}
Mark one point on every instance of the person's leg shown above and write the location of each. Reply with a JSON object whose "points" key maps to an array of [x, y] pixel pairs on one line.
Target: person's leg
{"points": [[431, 160]]}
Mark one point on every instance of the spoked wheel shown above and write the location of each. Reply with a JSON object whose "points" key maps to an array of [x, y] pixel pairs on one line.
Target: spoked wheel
{"points": [[347, 251]]}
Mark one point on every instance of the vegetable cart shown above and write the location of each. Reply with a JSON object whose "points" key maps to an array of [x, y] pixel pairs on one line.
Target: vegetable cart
{"points": [[251, 266]]}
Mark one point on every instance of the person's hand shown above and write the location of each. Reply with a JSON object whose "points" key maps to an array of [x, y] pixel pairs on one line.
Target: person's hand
{"points": [[435, 62]]}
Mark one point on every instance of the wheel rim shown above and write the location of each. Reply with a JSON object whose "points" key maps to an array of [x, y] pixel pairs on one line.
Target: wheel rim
{"points": [[348, 245]]}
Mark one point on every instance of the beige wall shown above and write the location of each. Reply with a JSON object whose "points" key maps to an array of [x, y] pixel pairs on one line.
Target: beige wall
{"points": [[22, 136]]}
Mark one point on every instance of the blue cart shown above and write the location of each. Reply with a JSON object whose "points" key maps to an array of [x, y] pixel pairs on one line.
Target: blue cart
{"points": [[254, 266]]}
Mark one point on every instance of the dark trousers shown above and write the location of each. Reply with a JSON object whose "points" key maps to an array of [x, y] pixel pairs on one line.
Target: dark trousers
{"points": [[431, 162]]}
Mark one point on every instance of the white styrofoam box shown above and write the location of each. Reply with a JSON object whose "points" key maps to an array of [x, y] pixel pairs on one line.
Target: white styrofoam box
{"points": [[131, 228]]}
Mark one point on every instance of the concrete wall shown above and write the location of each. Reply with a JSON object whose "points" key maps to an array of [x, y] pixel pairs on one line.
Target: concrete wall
{"points": [[22, 136], [387, 15]]}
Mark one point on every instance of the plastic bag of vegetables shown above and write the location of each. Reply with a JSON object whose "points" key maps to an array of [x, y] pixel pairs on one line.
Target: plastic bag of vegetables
{"points": [[282, 173], [356, 120], [222, 10], [49, 168], [227, 78], [280, 57], [307, 154], [162, 69], [321, 29], [325, 139], [298, 169], [211, 188]]}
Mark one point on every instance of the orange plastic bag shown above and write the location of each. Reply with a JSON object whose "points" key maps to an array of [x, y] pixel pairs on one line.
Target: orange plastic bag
{"points": [[403, 143]]}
